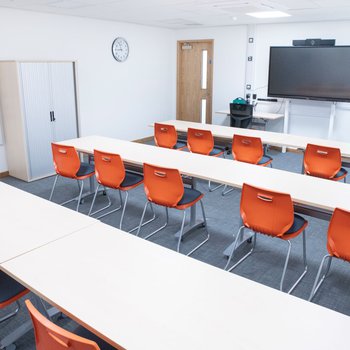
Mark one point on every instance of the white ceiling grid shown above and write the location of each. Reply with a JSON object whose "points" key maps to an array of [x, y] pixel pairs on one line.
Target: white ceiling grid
{"points": [[178, 14]]}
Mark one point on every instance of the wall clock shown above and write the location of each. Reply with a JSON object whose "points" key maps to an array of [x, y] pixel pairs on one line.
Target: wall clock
{"points": [[120, 49]]}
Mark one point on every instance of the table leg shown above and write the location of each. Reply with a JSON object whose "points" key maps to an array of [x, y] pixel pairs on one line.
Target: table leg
{"points": [[194, 223], [227, 252], [91, 179]]}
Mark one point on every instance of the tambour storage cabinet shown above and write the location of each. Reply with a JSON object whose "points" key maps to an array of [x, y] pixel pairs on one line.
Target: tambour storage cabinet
{"points": [[38, 106]]}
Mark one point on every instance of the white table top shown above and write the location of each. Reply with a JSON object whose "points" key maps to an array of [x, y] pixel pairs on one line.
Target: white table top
{"points": [[257, 114], [142, 296], [28, 222], [267, 137], [307, 190]]}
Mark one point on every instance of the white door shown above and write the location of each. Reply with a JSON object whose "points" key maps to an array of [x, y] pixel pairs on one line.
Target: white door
{"points": [[63, 102], [36, 106]]}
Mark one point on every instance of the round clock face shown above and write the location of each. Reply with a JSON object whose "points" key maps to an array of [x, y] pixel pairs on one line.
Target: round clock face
{"points": [[120, 49]]}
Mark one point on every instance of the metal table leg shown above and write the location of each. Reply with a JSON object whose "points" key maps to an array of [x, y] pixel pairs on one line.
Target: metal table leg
{"points": [[227, 252]]}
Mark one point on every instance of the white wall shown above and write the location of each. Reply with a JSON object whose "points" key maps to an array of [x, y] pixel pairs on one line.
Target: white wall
{"points": [[229, 63], [115, 99]]}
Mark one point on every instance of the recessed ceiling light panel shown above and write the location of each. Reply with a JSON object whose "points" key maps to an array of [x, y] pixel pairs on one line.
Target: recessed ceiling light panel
{"points": [[268, 14]]}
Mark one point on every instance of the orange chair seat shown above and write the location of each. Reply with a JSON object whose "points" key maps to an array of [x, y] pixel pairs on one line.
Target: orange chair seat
{"points": [[299, 224], [130, 181], [265, 160], [217, 151], [85, 170], [190, 197], [180, 145], [10, 290], [340, 174]]}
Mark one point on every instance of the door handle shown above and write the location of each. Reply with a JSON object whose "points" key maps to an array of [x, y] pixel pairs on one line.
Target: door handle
{"points": [[53, 116]]}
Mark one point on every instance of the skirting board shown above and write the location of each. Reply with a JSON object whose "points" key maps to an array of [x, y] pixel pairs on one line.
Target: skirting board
{"points": [[293, 150], [144, 140], [4, 174]]}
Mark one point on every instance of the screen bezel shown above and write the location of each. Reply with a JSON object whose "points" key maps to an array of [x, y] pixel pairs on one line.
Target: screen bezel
{"points": [[304, 97]]}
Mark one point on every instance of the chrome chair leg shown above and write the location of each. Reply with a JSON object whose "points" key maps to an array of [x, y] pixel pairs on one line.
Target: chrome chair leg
{"points": [[240, 232], [318, 282], [148, 221], [162, 227], [76, 198], [53, 187], [225, 192], [143, 216], [105, 207], [11, 314], [286, 265], [212, 189], [206, 229]]}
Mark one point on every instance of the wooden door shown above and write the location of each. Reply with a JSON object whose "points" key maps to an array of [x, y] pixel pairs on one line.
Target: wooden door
{"points": [[194, 80]]}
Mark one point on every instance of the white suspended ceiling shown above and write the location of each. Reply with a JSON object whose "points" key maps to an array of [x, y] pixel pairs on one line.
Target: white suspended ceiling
{"points": [[176, 14]]}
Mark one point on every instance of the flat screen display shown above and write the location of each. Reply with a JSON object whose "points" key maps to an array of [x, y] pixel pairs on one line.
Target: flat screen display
{"points": [[317, 73]]}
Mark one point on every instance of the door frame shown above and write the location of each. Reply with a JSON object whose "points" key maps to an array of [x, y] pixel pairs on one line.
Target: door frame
{"points": [[210, 75]]}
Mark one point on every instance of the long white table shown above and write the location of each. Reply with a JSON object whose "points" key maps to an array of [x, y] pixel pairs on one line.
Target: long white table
{"points": [[267, 137], [138, 295], [259, 118], [29, 222], [256, 114], [316, 193]]}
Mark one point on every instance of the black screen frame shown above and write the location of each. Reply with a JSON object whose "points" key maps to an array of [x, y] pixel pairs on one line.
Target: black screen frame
{"points": [[304, 97]]}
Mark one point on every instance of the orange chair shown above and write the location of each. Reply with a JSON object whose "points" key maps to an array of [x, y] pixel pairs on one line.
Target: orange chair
{"points": [[164, 187], [10, 292], [111, 173], [49, 336], [67, 164], [272, 214], [166, 136], [249, 150], [338, 245], [202, 142], [324, 162]]}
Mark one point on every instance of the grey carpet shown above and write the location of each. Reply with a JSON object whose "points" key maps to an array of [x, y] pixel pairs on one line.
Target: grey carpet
{"points": [[264, 266]]}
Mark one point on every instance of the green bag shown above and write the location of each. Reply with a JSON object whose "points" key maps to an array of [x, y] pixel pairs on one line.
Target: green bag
{"points": [[240, 101]]}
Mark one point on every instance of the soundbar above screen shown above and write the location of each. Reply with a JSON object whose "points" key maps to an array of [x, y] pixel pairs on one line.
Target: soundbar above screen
{"points": [[316, 73]]}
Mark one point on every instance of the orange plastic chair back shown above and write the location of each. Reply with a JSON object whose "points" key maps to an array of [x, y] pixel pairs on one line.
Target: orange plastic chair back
{"points": [[265, 211], [247, 149], [49, 336], [66, 160], [165, 135], [200, 141], [163, 186], [338, 242], [322, 161], [109, 169]]}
